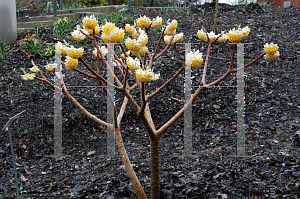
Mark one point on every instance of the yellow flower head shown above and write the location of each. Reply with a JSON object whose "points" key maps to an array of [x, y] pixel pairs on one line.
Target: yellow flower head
{"points": [[97, 30], [89, 22], [202, 35], [133, 64], [108, 27], [271, 57], [28, 76], [156, 22], [212, 36], [177, 38], [34, 69], [103, 50], [123, 56], [143, 39], [51, 67], [246, 31], [222, 38], [75, 53], [132, 44], [71, 63], [146, 75], [140, 52], [194, 59], [60, 48], [235, 35], [77, 35], [143, 22], [130, 28], [173, 25], [168, 38], [271, 48], [116, 35], [169, 32], [106, 38]]}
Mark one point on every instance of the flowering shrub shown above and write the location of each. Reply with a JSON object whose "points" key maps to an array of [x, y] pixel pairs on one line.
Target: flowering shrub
{"points": [[138, 64]]}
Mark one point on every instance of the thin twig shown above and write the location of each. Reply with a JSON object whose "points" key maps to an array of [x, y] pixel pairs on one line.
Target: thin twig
{"points": [[165, 84]]}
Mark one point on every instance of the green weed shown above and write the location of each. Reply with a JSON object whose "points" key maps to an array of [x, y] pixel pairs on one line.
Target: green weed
{"points": [[62, 27], [3, 51], [32, 45]]}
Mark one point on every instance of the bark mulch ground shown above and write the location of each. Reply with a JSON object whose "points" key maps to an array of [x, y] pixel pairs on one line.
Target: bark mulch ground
{"points": [[271, 168]]}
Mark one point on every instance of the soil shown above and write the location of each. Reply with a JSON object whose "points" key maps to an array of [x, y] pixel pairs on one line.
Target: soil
{"points": [[270, 168]]}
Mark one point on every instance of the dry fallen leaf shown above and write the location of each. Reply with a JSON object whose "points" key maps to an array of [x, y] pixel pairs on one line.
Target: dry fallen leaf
{"points": [[32, 167], [28, 172], [23, 178]]}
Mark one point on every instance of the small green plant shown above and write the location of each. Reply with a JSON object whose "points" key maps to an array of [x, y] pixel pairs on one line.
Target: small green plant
{"points": [[202, 12], [244, 6], [3, 51], [49, 51], [37, 28], [32, 45], [62, 26]]}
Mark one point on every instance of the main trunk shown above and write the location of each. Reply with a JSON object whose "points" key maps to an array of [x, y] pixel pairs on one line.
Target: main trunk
{"points": [[134, 180], [154, 154]]}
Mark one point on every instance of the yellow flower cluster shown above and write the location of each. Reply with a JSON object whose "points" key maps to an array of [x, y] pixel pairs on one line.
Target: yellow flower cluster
{"points": [[236, 35], [171, 28], [222, 38], [74, 53], [34, 69], [138, 46], [202, 35], [89, 22], [77, 35], [97, 30], [28, 76], [143, 22], [111, 33], [177, 38], [271, 51], [130, 29], [70, 63], [108, 27], [51, 67], [133, 64], [146, 75], [60, 48], [103, 50], [194, 59], [156, 22]]}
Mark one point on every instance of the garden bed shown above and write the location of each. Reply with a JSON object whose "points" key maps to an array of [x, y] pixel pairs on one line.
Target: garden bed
{"points": [[270, 170]]}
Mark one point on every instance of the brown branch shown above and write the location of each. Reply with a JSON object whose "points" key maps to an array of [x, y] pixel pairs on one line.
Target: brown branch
{"points": [[155, 51], [99, 76], [88, 114], [165, 84], [164, 50], [142, 109], [117, 58], [196, 94], [206, 62], [122, 110], [84, 73], [253, 61]]}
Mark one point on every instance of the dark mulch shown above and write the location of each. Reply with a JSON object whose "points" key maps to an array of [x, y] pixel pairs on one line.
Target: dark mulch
{"points": [[270, 170]]}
